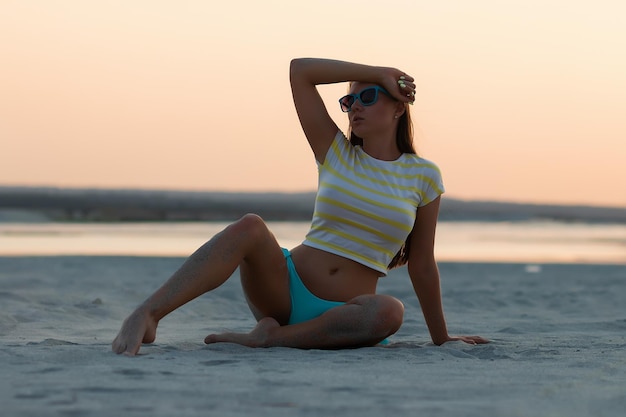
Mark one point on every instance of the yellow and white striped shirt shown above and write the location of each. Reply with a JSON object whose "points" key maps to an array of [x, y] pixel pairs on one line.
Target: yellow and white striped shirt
{"points": [[365, 207]]}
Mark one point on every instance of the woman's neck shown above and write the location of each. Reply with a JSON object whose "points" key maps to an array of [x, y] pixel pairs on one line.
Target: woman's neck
{"points": [[383, 149]]}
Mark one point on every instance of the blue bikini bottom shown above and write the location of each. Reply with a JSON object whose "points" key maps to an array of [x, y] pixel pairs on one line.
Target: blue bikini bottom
{"points": [[304, 304]]}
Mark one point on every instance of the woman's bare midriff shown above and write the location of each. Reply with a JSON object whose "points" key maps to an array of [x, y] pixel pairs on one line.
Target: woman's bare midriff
{"points": [[333, 277]]}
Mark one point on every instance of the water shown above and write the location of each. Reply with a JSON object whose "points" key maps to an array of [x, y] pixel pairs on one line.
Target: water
{"points": [[536, 242]]}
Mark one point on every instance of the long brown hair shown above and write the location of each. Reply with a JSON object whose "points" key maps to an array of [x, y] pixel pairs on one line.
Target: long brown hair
{"points": [[404, 142]]}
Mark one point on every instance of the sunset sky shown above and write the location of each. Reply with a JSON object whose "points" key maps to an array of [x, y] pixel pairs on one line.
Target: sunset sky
{"points": [[516, 100]]}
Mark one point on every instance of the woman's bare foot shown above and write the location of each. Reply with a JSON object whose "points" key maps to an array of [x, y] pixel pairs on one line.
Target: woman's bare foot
{"points": [[258, 337], [140, 327]]}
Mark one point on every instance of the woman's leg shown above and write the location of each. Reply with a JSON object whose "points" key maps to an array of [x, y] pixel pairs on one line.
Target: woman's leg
{"points": [[364, 321], [246, 243]]}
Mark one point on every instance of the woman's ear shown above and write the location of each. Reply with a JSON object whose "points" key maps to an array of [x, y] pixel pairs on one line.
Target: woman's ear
{"points": [[400, 109]]}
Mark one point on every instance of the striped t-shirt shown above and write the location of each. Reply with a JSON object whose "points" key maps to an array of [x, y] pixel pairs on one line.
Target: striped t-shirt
{"points": [[365, 207]]}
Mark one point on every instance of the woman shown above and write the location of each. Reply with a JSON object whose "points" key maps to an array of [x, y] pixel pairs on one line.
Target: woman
{"points": [[376, 199]]}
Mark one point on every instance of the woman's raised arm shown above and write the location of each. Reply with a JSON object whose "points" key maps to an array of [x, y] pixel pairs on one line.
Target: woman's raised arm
{"points": [[306, 73]]}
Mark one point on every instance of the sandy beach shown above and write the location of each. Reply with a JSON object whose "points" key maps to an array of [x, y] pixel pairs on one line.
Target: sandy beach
{"points": [[558, 347]]}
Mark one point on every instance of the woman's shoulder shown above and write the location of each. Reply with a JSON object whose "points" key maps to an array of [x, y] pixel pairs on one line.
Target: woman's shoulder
{"points": [[421, 164]]}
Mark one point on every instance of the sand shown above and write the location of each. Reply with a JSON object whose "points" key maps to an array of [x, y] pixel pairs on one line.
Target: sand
{"points": [[558, 347]]}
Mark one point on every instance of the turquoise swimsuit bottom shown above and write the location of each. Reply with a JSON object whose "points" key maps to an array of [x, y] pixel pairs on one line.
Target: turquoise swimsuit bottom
{"points": [[304, 304]]}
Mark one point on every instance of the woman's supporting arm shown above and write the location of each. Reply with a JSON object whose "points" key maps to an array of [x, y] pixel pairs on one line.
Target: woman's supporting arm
{"points": [[424, 275]]}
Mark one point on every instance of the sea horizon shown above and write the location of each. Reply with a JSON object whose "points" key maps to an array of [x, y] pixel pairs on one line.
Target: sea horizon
{"points": [[47, 203], [116, 222], [181, 191], [530, 242]]}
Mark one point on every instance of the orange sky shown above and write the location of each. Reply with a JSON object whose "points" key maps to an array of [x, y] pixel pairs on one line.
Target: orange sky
{"points": [[517, 100]]}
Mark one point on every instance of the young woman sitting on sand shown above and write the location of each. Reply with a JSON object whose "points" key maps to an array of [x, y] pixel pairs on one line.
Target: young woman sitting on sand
{"points": [[376, 200]]}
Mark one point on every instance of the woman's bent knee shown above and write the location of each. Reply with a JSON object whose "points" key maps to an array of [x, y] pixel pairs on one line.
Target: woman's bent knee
{"points": [[251, 225], [390, 314], [252, 221], [386, 314]]}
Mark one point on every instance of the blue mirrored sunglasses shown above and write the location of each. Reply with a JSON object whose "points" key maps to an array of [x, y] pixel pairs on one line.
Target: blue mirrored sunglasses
{"points": [[367, 97]]}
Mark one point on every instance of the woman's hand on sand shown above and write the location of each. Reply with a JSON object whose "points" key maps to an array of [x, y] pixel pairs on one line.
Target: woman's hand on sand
{"points": [[471, 340], [138, 328]]}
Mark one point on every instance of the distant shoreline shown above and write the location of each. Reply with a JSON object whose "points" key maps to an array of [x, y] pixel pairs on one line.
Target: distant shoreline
{"points": [[117, 205]]}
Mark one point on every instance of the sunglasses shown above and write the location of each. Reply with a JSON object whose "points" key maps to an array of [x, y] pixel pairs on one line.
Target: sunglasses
{"points": [[367, 97]]}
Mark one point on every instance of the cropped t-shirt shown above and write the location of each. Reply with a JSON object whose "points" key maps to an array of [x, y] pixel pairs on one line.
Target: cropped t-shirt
{"points": [[365, 207]]}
